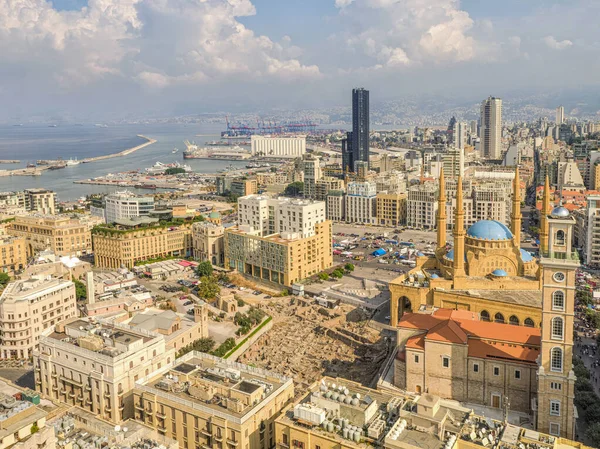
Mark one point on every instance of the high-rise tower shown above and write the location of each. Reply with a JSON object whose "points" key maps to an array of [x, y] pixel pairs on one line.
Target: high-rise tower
{"points": [[491, 128], [360, 125], [560, 115], [515, 219], [556, 380]]}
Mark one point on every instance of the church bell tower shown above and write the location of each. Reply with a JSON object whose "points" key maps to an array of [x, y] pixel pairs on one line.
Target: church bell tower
{"points": [[556, 380]]}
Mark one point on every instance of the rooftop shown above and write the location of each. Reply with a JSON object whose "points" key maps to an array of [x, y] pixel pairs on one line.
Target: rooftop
{"points": [[219, 387], [32, 288]]}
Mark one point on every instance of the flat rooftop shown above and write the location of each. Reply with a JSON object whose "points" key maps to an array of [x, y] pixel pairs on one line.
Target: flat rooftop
{"points": [[530, 298], [215, 385], [24, 290]]}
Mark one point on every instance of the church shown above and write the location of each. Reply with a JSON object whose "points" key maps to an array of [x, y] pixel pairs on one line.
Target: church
{"points": [[484, 323]]}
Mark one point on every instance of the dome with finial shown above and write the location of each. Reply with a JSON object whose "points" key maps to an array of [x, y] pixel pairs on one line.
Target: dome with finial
{"points": [[560, 212]]}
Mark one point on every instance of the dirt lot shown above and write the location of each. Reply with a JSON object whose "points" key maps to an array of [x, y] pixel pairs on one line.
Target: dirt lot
{"points": [[306, 344]]}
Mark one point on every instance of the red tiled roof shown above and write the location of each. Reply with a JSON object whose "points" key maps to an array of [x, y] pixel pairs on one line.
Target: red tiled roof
{"points": [[456, 314], [447, 331], [416, 342], [483, 349], [502, 332]]}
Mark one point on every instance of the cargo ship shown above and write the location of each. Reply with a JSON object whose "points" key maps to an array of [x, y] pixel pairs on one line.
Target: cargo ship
{"points": [[236, 153]]}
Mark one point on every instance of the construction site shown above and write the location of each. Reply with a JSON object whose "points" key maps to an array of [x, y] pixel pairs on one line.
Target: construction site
{"points": [[308, 341]]}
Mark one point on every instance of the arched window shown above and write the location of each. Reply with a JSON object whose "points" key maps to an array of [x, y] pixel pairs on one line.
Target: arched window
{"points": [[557, 328], [514, 320], [528, 322], [499, 318], [558, 300], [560, 237], [485, 315], [556, 360]]}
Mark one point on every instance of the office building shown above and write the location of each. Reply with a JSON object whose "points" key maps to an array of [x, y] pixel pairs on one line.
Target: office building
{"points": [[422, 206], [280, 259], [28, 307], [391, 208], [325, 185], [589, 231], [208, 242], [237, 186], [560, 116], [336, 205], [136, 240], [356, 145], [270, 216], [121, 205], [278, 147], [491, 128], [453, 162], [361, 202], [459, 135], [95, 364], [63, 235], [311, 166], [209, 402], [13, 254]]}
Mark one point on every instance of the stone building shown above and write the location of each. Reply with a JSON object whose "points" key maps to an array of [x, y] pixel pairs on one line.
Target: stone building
{"points": [[13, 254], [208, 242]]}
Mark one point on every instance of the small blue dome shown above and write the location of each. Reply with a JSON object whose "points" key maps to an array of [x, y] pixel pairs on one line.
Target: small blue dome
{"points": [[489, 230], [434, 276], [450, 255], [526, 256], [420, 254], [500, 273]]}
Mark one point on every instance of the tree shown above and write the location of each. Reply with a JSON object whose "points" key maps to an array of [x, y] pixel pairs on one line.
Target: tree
{"points": [[593, 434], [579, 369], [582, 384], [349, 267], [4, 279], [584, 399], [80, 289], [294, 189], [592, 414], [323, 276], [174, 170], [34, 428], [338, 273], [204, 269], [208, 287]]}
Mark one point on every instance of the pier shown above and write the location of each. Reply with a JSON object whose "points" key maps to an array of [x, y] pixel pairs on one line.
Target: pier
{"points": [[10, 161], [127, 152]]}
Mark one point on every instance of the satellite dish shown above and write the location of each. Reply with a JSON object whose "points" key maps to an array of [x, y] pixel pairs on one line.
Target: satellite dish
{"points": [[117, 428], [125, 429]]}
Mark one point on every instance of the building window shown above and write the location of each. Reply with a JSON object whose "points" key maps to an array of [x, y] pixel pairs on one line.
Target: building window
{"points": [[528, 322], [557, 328], [517, 374], [499, 318], [560, 238], [416, 358], [558, 300], [555, 386], [485, 315], [514, 320], [556, 360], [554, 429], [445, 361], [496, 371], [475, 367], [285, 439], [555, 408]]}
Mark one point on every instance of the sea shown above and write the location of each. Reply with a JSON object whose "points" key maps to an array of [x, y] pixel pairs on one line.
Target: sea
{"points": [[29, 143]]}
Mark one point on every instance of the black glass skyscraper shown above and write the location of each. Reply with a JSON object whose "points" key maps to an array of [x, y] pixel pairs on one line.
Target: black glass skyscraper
{"points": [[356, 146]]}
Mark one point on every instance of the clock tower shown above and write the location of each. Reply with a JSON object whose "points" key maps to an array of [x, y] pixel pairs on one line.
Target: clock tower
{"points": [[556, 380]]}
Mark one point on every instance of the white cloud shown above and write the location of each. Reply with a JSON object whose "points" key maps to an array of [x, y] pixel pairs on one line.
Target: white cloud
{"points": [[342, 3], [157, 43], [551, 42]]}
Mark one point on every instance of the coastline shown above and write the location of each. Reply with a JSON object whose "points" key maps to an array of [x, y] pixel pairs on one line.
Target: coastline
{"points": [[37, 171]]}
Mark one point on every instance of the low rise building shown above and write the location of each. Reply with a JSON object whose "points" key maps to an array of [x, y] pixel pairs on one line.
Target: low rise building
{"points": [[206, 401], [28, 307], [63, 235], [391, 208], [13, 254], [281, 259], [361, 203], [208, 242], [130, 242], [23, 424], [95, 364], [41, 201]]}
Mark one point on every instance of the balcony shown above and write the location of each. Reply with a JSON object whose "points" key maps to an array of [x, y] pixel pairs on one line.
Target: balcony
{"points": [[149, 411], [55, 387], [71, 394], [161, 427], [232, 442], [107, 408], [206, 432], [38, 380], [54, 374], [38, 369], [160, 415], [121, 407], [139, 407], [88, 388], [107, 394]]}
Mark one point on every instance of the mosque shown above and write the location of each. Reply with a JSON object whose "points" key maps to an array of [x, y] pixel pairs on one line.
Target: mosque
{"points": [[486, 271]]}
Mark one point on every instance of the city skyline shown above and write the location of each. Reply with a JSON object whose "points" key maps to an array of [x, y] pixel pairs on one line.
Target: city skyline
{"points": [[102, 58]]}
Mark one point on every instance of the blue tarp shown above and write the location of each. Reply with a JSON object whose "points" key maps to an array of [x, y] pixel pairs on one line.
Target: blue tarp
{"points": [[379, 252]]}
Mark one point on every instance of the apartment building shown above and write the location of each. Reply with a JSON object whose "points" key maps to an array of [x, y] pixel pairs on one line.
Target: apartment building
{"points": [[587, 231], [28, 307], [281, 259], [361, 202], [238, 186], [205, 401], [94, 365], [491, 128], [391, 208], [270, 146], [311, 166], [208, 242], [41, 201], [63, 235], [121, 205], [280, 215], [137, 240], [336, 205], [325, 185], [421, 206], [13, 254]]}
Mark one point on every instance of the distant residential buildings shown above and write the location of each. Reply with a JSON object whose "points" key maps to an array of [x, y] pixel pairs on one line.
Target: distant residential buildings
{"points": [[459, 135], [311, 166], [391, 208], [560, 115], [42, 201], [13, 254], [282, 147], [237, 186], [491, 128]]}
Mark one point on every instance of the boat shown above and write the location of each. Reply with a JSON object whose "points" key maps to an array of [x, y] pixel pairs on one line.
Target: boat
{"points": [[72, 162], [31, 165], [175, 150], [101, 125], [52, 126], [159, 167]]}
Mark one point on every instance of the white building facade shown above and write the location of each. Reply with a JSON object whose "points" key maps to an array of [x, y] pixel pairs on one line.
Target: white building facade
{"points": [[122, 205], [361, 203], [292, 146]]}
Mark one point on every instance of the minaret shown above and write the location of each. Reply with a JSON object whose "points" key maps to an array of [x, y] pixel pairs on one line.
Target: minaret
{"points": [[544, 217], [459, 232], [441, 217], [515, 219]]}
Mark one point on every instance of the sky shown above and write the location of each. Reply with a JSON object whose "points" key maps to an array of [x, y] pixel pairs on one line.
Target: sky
{"points": [[124, 58]]}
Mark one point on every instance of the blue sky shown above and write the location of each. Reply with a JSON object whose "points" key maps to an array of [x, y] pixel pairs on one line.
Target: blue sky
{"points": [[168, 54]]}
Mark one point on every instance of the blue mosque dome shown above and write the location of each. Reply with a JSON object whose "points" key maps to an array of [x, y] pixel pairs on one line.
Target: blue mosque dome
{"points": [[526, 256], [450, 255], [434, 276], [489, 230], [499, 273]]}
